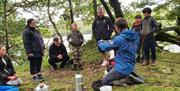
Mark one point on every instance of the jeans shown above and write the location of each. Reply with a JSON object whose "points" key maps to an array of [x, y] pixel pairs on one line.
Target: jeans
{"points": [[149, 44], [111, 76], [35, 65], [53, 62]]}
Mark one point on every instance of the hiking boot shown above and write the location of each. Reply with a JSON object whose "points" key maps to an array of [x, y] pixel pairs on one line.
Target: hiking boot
{"points": [[40, 77], [52, 70], [62, 66], [105, 63], [145, 63], [35, 78], [153, 63]]}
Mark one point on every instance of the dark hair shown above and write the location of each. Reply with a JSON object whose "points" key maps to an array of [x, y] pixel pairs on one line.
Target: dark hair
{"points": [[147, 9], [121, 23], [138, 16], [56, 39], [29, 22]]}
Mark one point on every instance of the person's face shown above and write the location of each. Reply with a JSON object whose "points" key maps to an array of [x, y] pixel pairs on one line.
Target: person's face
{"points": [[57, 43], [100, 13], [74, 27], [138, 19], [33, 24], [2, 51], [146, 14], [117, 29]]}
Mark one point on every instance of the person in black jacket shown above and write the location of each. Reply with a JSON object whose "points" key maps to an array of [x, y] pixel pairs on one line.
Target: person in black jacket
{"points": [[57, 53], [102, 29], [7, 73], [34, 46]]}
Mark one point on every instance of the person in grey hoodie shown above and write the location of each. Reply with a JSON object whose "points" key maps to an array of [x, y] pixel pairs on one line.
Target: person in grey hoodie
{"points": [[76, 39], [149, 27]]}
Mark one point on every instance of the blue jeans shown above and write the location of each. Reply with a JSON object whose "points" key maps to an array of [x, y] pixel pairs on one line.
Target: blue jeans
{"points": [[149, 44], [112, 76]]}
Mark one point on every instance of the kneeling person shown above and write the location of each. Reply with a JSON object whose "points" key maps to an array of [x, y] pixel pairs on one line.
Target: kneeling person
{"points": [[57, 53], [125, 46]]}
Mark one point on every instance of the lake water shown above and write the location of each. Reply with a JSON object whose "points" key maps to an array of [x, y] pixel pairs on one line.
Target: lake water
{"points": [[171, 47], [48, 41]]}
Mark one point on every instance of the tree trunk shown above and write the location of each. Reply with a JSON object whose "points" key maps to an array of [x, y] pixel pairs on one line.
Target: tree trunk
{"points": [[5, 24], [95, 8], [164, 37], [172, 28], [71, 11], [117, 8], [51, 20], [178, 20], [108, 10]]}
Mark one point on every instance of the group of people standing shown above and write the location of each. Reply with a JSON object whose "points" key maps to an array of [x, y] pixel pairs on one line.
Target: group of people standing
{"points": [[125, 43], [35, 49], [103, 27]]}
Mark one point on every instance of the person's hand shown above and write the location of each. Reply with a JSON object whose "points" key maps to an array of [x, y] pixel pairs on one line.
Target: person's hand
{"points": [[12, 77], [15, 75], [59, 56], [30, 55], [143, 37], [43, 51]]}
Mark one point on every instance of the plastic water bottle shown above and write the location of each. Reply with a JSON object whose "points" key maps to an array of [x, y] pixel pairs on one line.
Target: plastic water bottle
{"points": [[78, 82], [41, 87], [106, 88]]}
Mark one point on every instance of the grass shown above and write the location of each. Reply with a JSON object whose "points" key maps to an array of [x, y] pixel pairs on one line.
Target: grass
{"points": [[165, 76]]}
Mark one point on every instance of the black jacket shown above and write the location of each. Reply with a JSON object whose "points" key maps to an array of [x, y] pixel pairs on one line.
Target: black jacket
{"points": [[33, 42], [6, 70], [54, 51], [102, 28]]}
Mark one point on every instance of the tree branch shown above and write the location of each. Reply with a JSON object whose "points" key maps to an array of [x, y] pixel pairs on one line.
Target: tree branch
{"points": [[108, 10], [95, 8], [51, 20], [164, 37], [172, 28], [117, 8], [12, 11], [71, 11]]}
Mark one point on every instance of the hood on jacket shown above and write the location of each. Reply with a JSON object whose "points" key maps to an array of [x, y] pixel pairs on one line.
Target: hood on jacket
{"points": [[128, 34]]}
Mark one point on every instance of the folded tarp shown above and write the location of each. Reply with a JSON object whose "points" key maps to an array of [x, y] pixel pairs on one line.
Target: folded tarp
{"points": [[9, 88]]}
